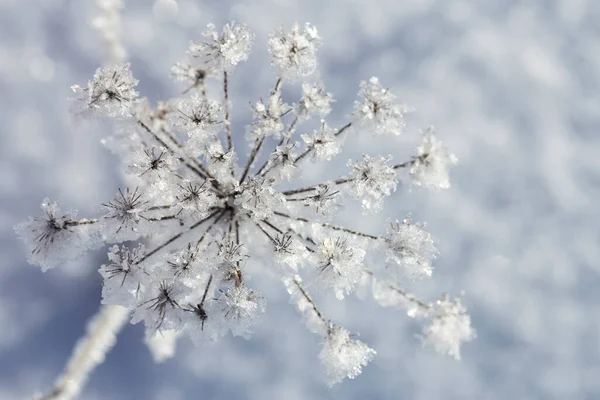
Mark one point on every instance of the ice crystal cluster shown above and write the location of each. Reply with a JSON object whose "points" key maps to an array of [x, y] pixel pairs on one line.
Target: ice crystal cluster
{"points": [[183, 230]]}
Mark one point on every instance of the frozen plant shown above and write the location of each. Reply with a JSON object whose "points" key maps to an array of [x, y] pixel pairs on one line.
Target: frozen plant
{"points": [[203, 210]]}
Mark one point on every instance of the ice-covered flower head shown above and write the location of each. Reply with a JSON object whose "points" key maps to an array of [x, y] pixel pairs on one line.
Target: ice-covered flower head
{"points": [[342, 356], [430, 168], [376, 110], [210, 213], [450, 327], [111, 92], [411, 249], [372, 179], [222, 51], [293, 55]]}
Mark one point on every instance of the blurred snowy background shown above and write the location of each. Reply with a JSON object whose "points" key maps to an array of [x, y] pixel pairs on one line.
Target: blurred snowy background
{"points": [[513, 89]]}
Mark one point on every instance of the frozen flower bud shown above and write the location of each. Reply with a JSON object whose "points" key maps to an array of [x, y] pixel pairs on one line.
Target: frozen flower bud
{"points": [[220, 161], [450, 327], [314, 102], [223, 51], [376, 110], [124, 220], [155, 165], [123, 275], [267, 118], [293, 55], [339, 265], [342, 356], [197, 116], [186, 265], [194, 76], [260, 198], [323, 142], [239, 308], [159, 306], [411, 249], [194, 198], [327, 199], [55, 238], [430, 168], [373, 178], [283, 159], [111, 92], [289, 252], [228, 259], [154, 118]]}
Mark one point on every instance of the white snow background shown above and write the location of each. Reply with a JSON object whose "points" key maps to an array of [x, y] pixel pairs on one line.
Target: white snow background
{"points": [[513, 90]]}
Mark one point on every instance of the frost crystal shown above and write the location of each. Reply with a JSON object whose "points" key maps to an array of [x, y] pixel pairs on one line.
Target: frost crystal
{"points": [[339, 265], [343, 357], [376, 111], [293, 55], [314, 102], [411, 249], [431, 167], [123, 276], [208, 214], [449, 328], [111, 92], [223, 51], [372, 179], [54, 238], [241, 307], [283, 159], [323, 142], [198, 116]]}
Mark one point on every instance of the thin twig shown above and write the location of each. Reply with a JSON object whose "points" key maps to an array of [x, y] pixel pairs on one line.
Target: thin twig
{"points": [[330, 226]]}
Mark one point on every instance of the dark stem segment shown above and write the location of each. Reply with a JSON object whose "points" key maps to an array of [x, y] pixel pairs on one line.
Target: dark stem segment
{"points": [[257, 145], [408, 296], [265, 232], [330, 226], [200, 170], [308, 298], [81, 222], [259, 141], [345, 180], [177, 143], [275, 228], [227, 111], [174, 238], [340, 181], [209, 228]]}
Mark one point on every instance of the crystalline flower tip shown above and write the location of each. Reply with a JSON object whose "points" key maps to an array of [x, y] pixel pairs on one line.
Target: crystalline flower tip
{"points": [[314, 102], [343, 357], [376, 110], [411, 249], [293, 55], [430, 168], [450, 327], [111, 92], [54, 238], [339, 265], [324, 143], [372, 180], [123, 275], [241, 307], [223, 51]]}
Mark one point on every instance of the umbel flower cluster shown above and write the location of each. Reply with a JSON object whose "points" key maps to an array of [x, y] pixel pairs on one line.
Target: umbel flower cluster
{"points": [[193, 217]]}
